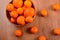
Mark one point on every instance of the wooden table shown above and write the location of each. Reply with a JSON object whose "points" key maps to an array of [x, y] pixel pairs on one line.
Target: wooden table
{"points": [[44, 24]]}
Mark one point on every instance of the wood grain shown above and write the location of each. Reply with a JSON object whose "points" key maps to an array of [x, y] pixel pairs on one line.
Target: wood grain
{"points": [[44, 24]]}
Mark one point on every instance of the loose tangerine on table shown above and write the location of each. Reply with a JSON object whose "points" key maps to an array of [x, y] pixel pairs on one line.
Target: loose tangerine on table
{"points": [[33, 29], [18, 33], [42, 37], [43, 12], [56, 6], [56, 31]]}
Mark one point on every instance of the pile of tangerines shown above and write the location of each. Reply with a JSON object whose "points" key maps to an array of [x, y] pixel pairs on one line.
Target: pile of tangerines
{"points": [[21, 12]]}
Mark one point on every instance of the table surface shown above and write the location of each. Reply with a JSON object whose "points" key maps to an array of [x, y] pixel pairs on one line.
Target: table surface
{"points": [[44, 24]]}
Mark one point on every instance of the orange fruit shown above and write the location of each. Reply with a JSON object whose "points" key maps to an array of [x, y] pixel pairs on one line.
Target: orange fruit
{"points": [[18, 33], [28, 0], [29, 19], [27, 3], [12, 20], [56, 6], [56, 31], [20, 10], [42, 37], [17, 3], [10, 7], [19, 0], [21, 20], [13, 14], [29, 12], [43, 12], [24, 8], [33, 29]]}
